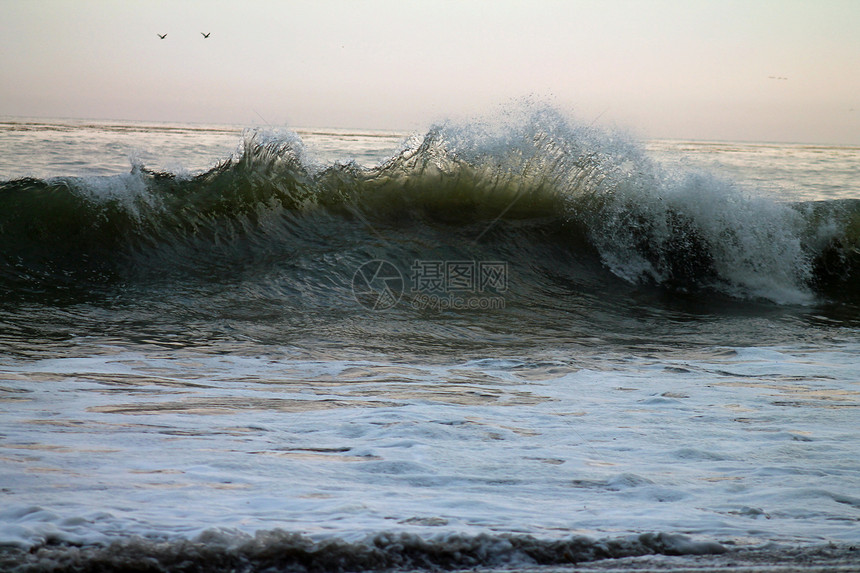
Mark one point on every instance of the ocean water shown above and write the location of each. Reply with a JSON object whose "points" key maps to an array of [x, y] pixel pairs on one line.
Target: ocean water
{"points": [[514, 342]]}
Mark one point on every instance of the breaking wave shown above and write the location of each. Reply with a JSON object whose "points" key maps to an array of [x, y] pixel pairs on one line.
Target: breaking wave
{"points": [[536, 191]]}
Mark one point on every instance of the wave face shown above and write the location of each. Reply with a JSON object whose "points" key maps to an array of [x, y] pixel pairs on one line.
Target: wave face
{"points": [[538, 192]]}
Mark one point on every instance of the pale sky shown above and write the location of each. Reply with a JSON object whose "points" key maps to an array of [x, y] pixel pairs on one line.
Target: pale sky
{"points": [[697, 69]]}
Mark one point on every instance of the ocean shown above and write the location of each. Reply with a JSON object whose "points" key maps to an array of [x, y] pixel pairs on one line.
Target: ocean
{"points": [[507, 343]]}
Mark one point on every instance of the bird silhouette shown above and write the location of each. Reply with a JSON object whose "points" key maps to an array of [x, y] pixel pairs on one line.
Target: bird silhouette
{"points": [[206, 35], [162, 36]]}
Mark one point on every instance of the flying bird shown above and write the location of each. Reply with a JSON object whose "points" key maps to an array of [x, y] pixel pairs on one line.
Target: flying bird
{"points": [[206, 35], [162, 36]]}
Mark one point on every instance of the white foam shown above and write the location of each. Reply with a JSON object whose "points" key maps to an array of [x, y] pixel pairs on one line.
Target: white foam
{"points": [[756, 444]]}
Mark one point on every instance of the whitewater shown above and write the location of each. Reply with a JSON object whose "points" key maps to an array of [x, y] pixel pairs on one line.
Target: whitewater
{"points": [[507, 343]]}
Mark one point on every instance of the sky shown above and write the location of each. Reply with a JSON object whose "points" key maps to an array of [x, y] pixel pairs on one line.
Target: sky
{"points": [[750, 70]]}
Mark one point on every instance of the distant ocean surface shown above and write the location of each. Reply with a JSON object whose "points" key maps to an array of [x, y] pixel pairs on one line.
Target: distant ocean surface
{"points": [[508, 343]]}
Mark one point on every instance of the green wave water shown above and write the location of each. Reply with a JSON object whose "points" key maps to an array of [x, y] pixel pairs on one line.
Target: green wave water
{"points": [[543, 194]]}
